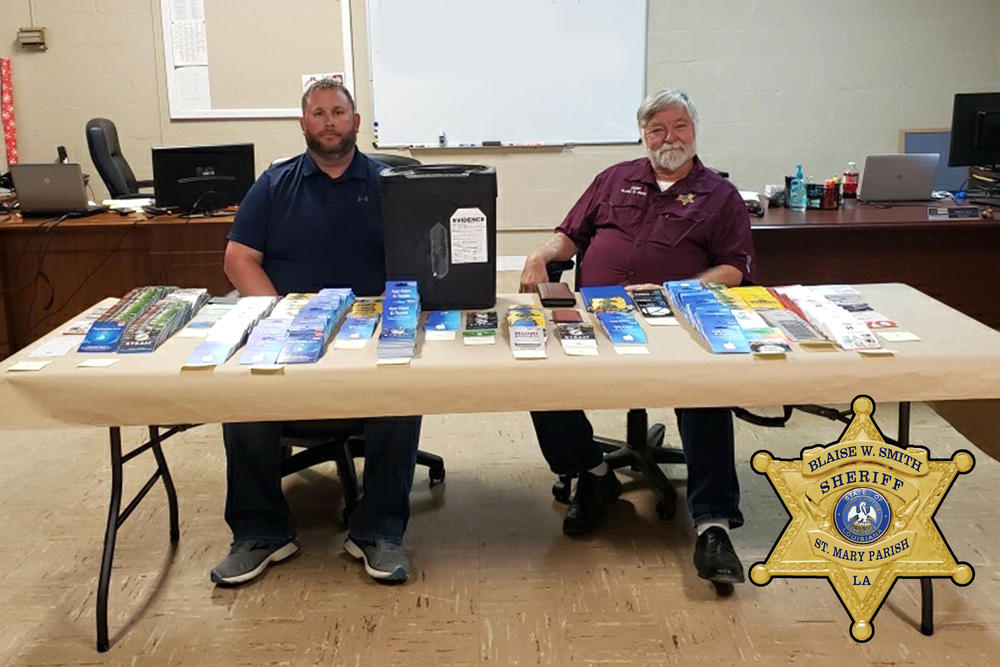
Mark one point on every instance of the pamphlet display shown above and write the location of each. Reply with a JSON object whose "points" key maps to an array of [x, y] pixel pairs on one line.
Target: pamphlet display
{"points": [[230, 331], [312, 325], [442, 324], [526, 332], [161, 320], [359, 326], [400, 313], [107, 330], [480, 327]]}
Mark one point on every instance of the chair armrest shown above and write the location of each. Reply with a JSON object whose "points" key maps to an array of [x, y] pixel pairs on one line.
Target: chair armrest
{"points": [[556, 269], [144, 184]]}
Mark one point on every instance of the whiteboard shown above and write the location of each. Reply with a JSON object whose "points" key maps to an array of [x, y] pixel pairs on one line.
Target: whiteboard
{"points": [[519, 72]]}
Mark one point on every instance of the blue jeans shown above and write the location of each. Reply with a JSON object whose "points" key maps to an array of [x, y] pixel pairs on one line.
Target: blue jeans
{"points": [[255, 504], [713, 491]]}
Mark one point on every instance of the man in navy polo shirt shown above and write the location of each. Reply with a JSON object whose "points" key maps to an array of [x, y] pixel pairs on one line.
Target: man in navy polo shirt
{"points": [[311, 222], [661, 217]]}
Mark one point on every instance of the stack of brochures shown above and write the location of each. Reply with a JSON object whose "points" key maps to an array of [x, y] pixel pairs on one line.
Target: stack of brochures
{"points": [[709, 315], [107, 330], [161, 320], [577, 339], [312, 325], [851, 300], [400, 315], [606, 297], [654, 307], [268, 336], [205, 318], [442, 324], [613, 308], [230, 331], [480, 327], [359, 326], [834, 322], [526, 331]]}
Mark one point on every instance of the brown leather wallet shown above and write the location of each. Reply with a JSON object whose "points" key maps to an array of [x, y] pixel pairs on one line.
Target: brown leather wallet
{"points": [[556, 295]]}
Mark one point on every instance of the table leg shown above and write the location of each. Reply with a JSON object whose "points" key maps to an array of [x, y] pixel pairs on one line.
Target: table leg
{"points": [[926, 588], [110, 534], [168, 482], [117, 516]]}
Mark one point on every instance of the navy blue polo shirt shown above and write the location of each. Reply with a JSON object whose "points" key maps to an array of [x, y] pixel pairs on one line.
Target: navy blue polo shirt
{"points": [[316, 231]]}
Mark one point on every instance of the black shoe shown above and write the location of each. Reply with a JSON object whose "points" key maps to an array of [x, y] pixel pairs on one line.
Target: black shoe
{"points": [[593, 495], [716, 559]]}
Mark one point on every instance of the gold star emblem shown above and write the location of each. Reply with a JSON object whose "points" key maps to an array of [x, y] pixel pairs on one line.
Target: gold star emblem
{"points": [[685, 199], [862, 515]]}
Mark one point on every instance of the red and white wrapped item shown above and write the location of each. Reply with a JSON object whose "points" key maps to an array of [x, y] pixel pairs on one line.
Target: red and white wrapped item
{"points": [[7, 111]]}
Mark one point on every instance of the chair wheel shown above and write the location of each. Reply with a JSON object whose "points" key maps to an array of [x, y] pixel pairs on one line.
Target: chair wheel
{"points": [[561, 489], [723, 588], [665, 510], [436, 475]]}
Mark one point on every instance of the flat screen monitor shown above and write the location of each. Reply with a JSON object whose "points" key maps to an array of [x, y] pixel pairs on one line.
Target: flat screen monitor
{"points": [[975, 130], [202, 179]]}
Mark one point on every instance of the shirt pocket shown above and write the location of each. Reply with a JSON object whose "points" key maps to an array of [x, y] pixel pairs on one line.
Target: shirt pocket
{"points": [[670, 229], [624, 212]]}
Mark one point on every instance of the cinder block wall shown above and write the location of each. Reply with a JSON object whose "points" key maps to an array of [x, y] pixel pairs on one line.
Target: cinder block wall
{"points": [[777, 82]]}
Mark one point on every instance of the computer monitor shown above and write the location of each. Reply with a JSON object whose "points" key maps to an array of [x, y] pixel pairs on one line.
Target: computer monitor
{"points": [[202, 179], [975, 130]]}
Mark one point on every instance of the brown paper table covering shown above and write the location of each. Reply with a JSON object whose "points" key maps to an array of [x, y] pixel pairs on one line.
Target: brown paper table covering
{"points": [[957, 358]]}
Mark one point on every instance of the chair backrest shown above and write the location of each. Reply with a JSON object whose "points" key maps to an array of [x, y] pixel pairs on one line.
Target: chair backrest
{"points": [[106, 153], [394, 160]]}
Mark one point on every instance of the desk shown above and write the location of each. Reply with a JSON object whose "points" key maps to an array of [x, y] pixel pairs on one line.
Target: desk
{"points": [[953, 261], [957, 358], [48, 274]]}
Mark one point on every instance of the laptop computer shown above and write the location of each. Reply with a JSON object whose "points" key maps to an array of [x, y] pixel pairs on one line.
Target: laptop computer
{"points": [[51, 189], [898, 177]]}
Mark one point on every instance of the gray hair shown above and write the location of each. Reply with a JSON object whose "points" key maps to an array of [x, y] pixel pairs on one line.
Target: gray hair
{"points": [[327, 83], [663, 99]]}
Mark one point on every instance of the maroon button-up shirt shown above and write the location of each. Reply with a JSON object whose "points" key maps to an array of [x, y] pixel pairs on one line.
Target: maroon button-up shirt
{"points": [[634, 233]]}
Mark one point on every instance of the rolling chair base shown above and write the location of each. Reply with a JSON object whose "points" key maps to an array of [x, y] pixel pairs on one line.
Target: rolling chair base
{"points": [[642, 452]]}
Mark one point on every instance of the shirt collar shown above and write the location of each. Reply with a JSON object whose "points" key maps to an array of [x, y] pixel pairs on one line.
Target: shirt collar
{"points": [[356, 170]]}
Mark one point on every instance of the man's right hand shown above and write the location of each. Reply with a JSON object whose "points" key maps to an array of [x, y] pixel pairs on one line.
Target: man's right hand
{"points": [[534, 272]]}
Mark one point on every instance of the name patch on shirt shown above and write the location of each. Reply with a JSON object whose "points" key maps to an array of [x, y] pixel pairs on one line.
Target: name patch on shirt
{"points": [[634, 190]]}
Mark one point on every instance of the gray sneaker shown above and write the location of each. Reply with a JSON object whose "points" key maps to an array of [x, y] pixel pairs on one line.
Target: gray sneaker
{"points": [[384, 562], [248, 559]]}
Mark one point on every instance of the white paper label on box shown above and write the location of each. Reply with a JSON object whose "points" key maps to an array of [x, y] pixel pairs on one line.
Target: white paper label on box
{"points": [[468, 237]]}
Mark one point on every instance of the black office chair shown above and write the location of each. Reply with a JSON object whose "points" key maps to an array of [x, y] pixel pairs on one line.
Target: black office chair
{"points": [[394, 160], [340, 441], [106, 153], [642, 451]]}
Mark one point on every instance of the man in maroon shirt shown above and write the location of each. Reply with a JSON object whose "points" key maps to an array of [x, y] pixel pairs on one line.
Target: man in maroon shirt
{"points": [[640, 223]]}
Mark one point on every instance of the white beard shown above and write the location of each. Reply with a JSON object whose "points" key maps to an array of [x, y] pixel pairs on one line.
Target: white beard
{"points": [[671, 157]]}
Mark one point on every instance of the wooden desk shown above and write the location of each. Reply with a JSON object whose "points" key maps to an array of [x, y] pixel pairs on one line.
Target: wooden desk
{"points": [[952, 261], [49, 273]]}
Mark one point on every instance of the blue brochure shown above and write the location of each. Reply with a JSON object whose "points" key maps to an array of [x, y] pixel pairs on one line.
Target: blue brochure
{"points": [[611, 297], [622, 328]]}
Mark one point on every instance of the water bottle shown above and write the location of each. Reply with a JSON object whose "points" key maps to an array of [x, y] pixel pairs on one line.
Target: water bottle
{"points": [[797, 196]]}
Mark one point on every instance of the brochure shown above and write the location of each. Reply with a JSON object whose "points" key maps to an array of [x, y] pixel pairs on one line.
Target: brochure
{"points": [[624, 331], [442, 324], [608, 297], [577, 339]]}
